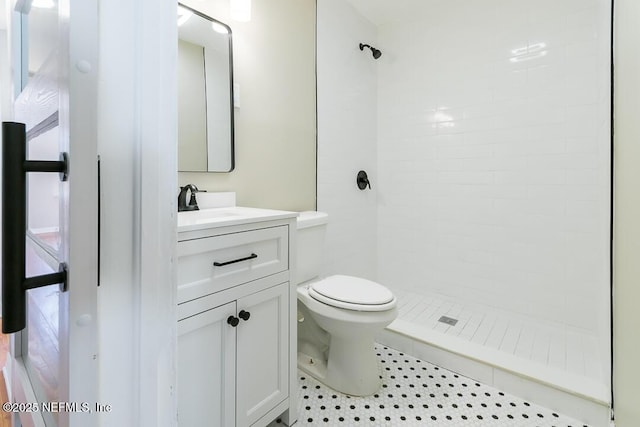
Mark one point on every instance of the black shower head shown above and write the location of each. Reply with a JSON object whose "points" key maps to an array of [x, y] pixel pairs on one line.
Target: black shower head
{"points": [[376, 53]]}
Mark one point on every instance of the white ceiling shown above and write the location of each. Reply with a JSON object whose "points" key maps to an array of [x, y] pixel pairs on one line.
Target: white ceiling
{"points": [[381, 12]]}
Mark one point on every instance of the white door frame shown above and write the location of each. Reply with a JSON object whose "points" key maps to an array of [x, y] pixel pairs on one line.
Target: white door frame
{"points": [[129, 52], [137, 133]]}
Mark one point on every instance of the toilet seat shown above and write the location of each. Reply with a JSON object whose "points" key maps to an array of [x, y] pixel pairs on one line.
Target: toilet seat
{"points": [[352, 293]]}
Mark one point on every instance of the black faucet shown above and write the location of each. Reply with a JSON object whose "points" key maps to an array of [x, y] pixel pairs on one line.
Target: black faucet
{"points": [[182, 198]]}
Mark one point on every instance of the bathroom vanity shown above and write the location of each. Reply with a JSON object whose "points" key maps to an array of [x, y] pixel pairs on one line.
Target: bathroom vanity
{"points": [[236, 328]]}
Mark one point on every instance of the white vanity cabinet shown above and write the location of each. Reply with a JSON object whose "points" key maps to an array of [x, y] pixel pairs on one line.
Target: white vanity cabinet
{"points": [[236, 332], [207, 368]]}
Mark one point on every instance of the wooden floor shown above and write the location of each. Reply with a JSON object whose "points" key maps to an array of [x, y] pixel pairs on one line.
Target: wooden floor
{"points": [[4, 347], [5, 421]]}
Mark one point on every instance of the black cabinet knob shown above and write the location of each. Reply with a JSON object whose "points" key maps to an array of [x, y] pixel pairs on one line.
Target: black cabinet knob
{"points": [[233, 321], [244, 315]]}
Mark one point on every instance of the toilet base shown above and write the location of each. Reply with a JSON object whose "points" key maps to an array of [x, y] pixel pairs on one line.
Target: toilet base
{"points": [[336, 345], [351, 367], [313, 366]]}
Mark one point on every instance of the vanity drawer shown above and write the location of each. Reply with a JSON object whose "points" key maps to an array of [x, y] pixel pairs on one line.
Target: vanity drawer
{"points": [[238, 257]]}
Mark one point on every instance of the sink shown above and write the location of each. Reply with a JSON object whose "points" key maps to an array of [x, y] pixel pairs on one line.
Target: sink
{"points": [[207, 216], [221, 217]]}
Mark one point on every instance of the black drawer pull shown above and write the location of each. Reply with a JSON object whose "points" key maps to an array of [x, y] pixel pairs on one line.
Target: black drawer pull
{"points": [[244, 315], [221, 264], [233, 321]]}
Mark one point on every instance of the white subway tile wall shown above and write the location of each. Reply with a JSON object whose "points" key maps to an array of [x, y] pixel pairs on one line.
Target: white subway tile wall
{"points": [[490, 160], [347, 137]]}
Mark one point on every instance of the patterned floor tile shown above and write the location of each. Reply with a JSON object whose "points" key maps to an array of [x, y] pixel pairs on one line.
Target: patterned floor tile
{"points": [[417, 393]]}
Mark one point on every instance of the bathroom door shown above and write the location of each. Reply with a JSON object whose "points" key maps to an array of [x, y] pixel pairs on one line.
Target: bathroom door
{"points": [[54, 358]]}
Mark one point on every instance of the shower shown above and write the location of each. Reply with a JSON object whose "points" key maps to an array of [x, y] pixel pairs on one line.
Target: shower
{"points": [[376, 52], [491, 195]]}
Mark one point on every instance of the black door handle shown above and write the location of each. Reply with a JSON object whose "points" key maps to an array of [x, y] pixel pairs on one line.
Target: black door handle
{"points": [[15, 167], [244, 315], [233, 321]]}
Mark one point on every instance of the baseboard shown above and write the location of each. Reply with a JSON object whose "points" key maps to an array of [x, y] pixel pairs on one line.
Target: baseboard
{"points": [[576, 397]]}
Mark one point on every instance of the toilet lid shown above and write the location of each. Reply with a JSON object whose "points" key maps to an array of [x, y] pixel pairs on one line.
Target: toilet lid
{"points": [[352, 293]]}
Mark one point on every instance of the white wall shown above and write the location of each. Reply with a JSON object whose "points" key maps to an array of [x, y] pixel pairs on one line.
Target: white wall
{"points": [[494, 153], [347, 140]]}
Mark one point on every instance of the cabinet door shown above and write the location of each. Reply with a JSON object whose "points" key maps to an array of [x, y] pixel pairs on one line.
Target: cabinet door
{"points": [[206, 368], [262, 353]]}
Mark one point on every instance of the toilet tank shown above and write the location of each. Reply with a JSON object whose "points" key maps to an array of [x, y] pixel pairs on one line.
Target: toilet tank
{"points": [[311, 230]]}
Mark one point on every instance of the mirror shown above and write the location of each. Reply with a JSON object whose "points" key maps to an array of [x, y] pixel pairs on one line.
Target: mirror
{"points": [[205, 93]]}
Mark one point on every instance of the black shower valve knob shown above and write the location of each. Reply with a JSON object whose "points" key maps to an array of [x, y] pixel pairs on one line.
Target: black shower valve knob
{"points": [[362, 180]]}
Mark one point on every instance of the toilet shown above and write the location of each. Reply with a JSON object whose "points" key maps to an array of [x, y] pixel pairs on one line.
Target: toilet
{"points": [[338, 317]]}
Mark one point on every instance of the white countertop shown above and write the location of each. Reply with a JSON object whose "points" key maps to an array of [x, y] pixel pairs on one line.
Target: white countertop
{"points": [[223, 217]]}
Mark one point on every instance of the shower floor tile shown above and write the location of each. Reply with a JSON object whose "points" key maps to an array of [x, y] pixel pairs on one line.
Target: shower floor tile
{"points": [[417, 393], [544, 343]]}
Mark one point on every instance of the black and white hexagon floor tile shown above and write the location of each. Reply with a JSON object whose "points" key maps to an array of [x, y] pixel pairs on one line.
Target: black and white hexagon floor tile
{"points": [[417, 393]]}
